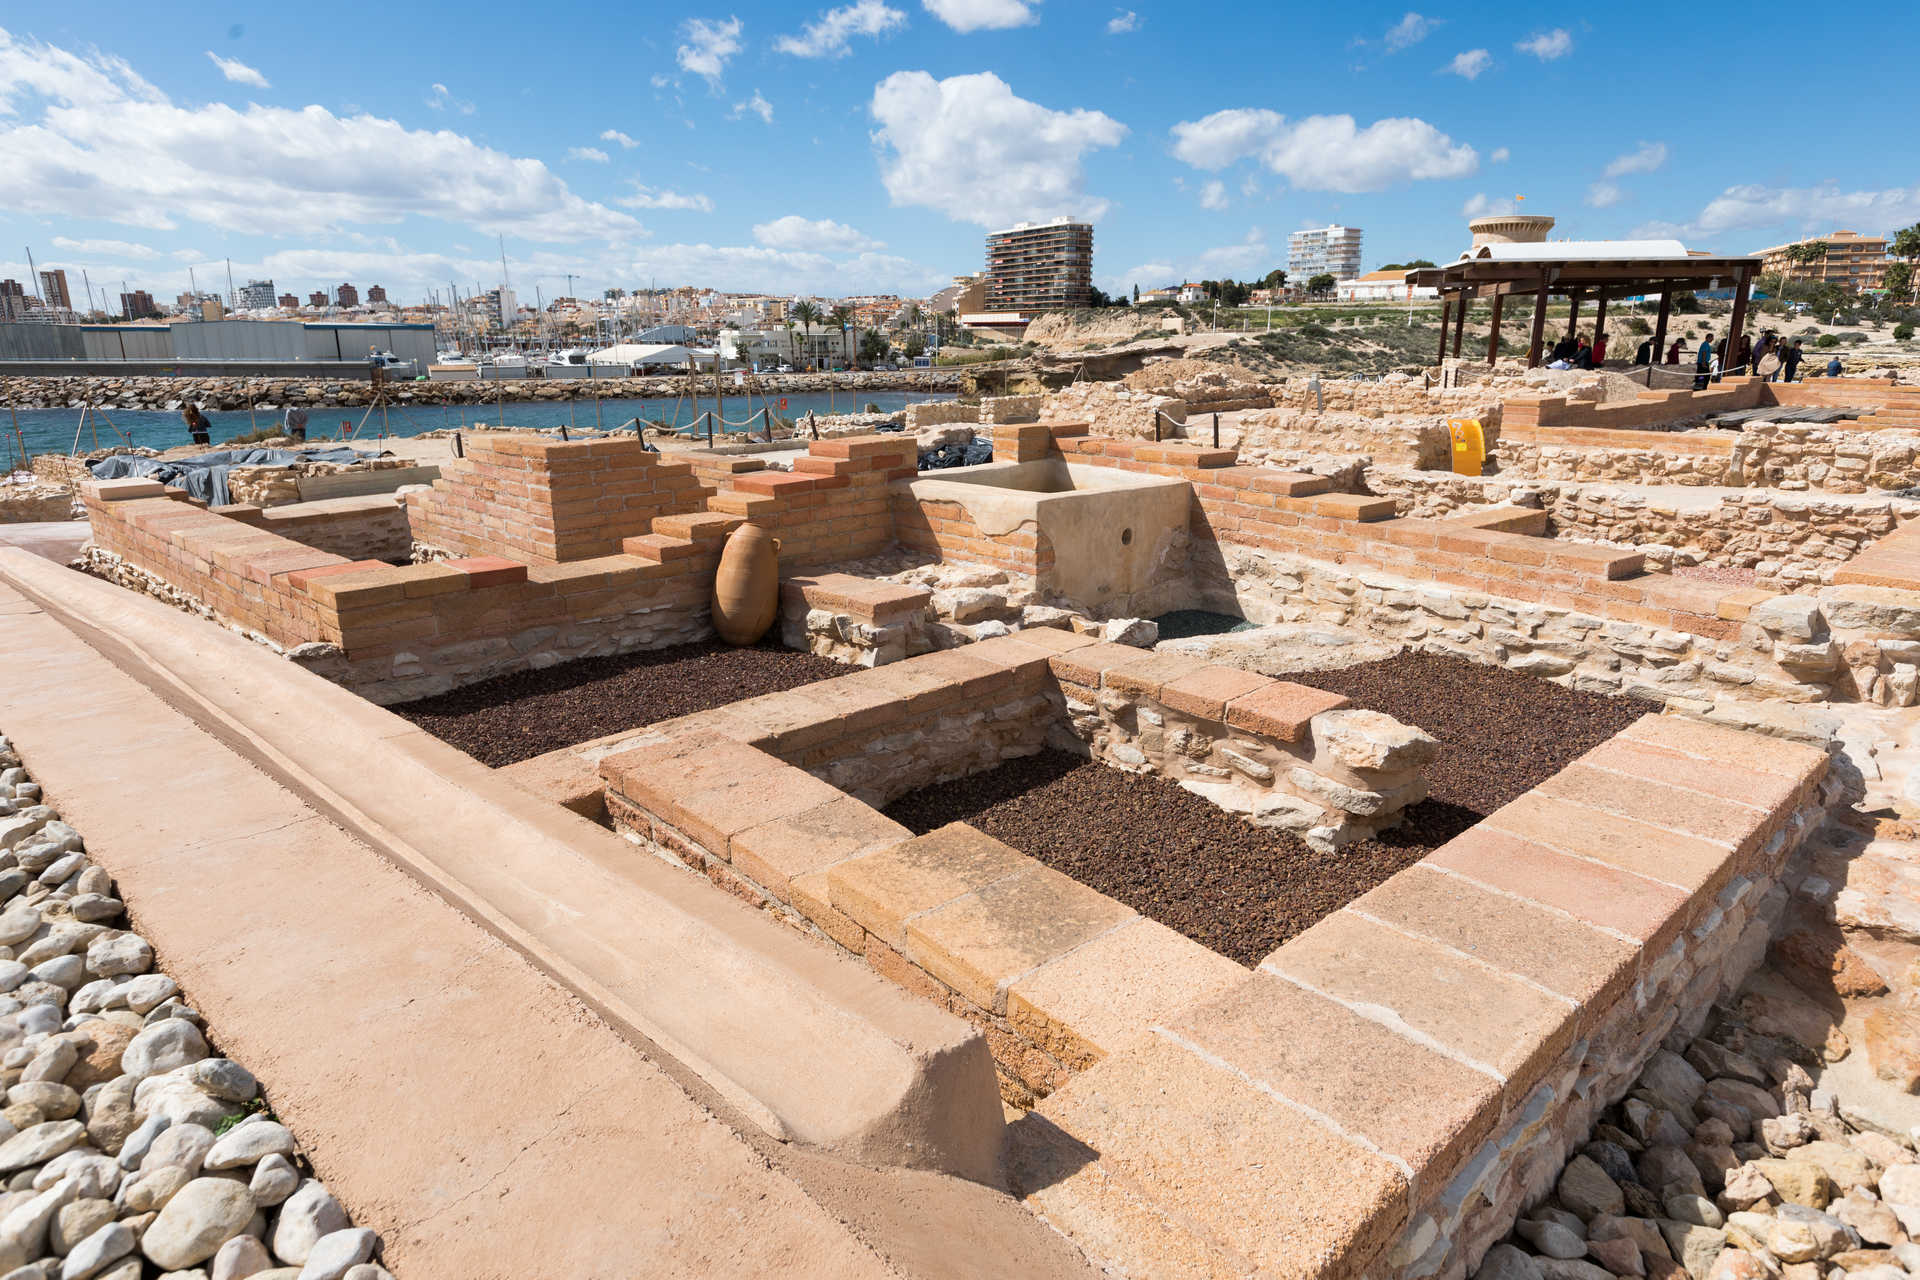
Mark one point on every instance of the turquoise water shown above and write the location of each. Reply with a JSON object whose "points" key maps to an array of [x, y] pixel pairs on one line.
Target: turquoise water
{"points": [[52, 430]]}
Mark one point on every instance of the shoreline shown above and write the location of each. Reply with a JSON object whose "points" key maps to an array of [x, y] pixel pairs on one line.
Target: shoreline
{"points": [[74, 391]]}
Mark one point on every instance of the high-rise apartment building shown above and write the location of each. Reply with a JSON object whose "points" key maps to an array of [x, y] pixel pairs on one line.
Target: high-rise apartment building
{"points": [[347, 296], [1040, 266], [53, 289], [377, 294], [316, 299], [138, 305], [1333, 251], [256, 295], [13, 302], [1852, 261], [288, 301]]}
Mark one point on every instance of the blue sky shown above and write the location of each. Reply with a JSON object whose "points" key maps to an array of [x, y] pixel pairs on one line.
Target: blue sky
{"points": [[868, 145]]}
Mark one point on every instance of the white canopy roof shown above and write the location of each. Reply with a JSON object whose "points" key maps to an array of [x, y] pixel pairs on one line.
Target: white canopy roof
{"points": [[1579, 250], [643, 353]]}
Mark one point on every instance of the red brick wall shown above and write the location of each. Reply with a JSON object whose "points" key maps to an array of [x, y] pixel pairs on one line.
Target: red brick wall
{"points": [[546, 501], [834, 505]]}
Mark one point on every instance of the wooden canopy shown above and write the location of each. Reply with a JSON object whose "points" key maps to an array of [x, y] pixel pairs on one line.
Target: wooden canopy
{"points": [[1598, 272]]}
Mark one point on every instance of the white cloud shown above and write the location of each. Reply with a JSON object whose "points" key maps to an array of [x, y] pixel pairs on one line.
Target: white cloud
{"points": [[1480, 206], [1499, 155], [983, 15], [822, 235], [1409, 31], [1604, 195], [1808, 208], [1214, 195], [595, 154], [758, 105], [238, 71], [758, 267], [105, 248], [970, 148], [1125, 21], [1469, 64], [614, 135], [106, 144], [644, 197], [828, 37], [440, 99], [1249, 258], [1649, 156], [1548, 45], [1324, 153], [708, 46]]}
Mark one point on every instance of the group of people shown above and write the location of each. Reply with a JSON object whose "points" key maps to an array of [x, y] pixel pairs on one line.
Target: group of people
{"points": [[1772, 358], [1575, 352], [200, 430]]}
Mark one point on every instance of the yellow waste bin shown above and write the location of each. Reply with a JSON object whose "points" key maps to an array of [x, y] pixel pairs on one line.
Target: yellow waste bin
{"points": [[1469, 446]]}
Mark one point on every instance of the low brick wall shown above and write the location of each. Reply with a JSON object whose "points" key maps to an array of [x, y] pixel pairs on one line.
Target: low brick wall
{"points": [[833, 505], [394, 633], [544, 501], [1395, 1085], [855, 620], [367, 528], [775, 798], [1628, 457]]}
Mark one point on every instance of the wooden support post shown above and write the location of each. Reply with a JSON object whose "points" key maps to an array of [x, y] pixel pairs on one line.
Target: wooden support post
{"points": [[1573, 314], [1739, 321], [1599, 318], [1445, 304], [1493, 334], [1460, 326], [1660, 328], [1539, 323]]}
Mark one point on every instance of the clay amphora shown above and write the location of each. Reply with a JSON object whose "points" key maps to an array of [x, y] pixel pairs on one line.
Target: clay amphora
{"points": [[746, 586]]}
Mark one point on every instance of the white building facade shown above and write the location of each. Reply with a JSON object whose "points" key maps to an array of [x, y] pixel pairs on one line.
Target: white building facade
{"points": [[1331, 250]]}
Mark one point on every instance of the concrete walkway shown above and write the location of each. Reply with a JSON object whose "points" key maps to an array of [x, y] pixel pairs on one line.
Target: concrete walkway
{"points": [[57, 540]]}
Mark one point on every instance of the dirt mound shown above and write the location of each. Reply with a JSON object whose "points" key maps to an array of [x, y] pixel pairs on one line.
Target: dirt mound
{"points": [[1163, 375], [1073, 330]]}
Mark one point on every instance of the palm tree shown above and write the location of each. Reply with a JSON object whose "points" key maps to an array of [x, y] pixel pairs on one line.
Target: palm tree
{"points": [[808, 315], [842, 317]]}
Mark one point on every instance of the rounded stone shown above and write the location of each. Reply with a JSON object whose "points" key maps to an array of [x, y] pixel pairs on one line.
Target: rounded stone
{"points": [[151, 1191], [308, 1214], [39, 1144], [185, 1145], [224, 1079], [249, 1144], [76, 1221], [163, 1046], [240, 1257], [201, 1216], [337, 1251], [116, 955], [274, 1179], [148, 991], [55, 1101]]}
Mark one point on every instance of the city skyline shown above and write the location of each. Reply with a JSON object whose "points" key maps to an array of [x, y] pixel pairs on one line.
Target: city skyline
{"points": [[863, 148]]}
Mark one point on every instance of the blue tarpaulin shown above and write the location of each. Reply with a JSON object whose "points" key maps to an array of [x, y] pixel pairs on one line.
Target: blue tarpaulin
{"points": [[204, 476]]}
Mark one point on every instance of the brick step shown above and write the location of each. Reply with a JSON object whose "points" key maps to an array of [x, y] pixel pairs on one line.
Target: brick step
{"points": [[698, 525], [1291, 484], [1357, 507], [1504, 519]]}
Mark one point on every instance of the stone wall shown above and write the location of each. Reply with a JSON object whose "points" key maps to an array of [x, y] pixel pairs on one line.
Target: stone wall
{"points": [[1401, 441], [1788, 541], [855, 620], [997, 409], [938, 413], [369, 528], [1285, 755], [29, 503], [1396, 1084], [1628, 457], [1393, 394], [1785, 455], [1110, 409], [546, 501]]}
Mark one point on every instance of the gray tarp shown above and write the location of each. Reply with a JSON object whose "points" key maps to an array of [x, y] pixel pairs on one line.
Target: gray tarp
{"points": [[204, 476]]}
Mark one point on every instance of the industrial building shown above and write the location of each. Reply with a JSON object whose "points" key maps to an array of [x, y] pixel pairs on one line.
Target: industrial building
{"points": [[1331, 250], [284, 348], [1040, 266]]}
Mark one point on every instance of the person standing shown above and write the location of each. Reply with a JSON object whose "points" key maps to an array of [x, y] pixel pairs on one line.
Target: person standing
{"points": [[1743, 362], [1702, 364], [199, 430], [1599, 348], [296, 422], [1790, 363], [1645, 354]]}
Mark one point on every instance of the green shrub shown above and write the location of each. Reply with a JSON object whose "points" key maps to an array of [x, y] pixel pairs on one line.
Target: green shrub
{"points": [[1826, 340], [1637, 325], [1902, 332]]}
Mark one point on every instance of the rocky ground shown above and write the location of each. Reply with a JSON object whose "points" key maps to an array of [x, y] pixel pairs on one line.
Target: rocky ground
{"points": [[129, 1149], [1728, 1163]]}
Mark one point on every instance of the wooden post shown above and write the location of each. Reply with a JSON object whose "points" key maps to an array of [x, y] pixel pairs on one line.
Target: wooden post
{"points": [[1493, 335], [1739, 322], [1460, 326], [1573, 314], [1445, 304], [1660, 328], [1599, 317], [1539, 323]]}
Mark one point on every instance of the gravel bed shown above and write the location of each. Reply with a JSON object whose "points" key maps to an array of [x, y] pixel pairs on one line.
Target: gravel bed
{"points": [[1725, 1162], [530, 713], [1241, 889], [128, 1149], [1501, 733]]}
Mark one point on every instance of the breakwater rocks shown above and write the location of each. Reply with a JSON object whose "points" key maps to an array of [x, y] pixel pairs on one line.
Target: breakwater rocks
{"points": [[128, 1147], [271, 393]]}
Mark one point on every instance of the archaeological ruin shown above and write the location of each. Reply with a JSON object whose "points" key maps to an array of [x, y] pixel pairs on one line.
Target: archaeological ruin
{"points": [[1221, 834]]}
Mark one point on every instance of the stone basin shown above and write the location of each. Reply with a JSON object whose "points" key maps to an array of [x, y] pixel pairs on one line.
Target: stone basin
{"points": [[1109, 531]]}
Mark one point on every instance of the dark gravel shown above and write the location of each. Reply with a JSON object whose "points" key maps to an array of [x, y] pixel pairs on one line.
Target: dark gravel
{"points": [[530, 713], [1240, 889]]}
